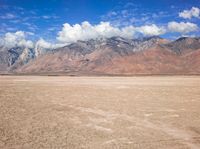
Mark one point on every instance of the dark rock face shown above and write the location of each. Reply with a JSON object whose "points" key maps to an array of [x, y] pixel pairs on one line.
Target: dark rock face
{"points": [[12, 57], [184, 44]]}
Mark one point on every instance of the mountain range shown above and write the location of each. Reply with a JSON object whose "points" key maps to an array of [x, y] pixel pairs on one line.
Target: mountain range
{"points": [[107, 56]]}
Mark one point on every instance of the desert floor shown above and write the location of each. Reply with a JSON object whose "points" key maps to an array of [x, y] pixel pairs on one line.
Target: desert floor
{"points": [[100, 112]]}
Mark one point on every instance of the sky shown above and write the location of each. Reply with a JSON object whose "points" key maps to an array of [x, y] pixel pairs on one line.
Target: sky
{"points": [[66, 21]]}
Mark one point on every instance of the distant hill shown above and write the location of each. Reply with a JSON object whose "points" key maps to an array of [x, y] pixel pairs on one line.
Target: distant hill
{"points": [[115, 56]]}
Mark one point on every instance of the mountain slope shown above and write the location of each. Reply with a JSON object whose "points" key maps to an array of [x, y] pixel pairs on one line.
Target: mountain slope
{"points": [[117, 55], [11, 57], [184, 45]]}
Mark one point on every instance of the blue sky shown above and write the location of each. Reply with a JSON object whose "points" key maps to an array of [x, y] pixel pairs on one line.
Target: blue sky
{"points": [[45, 18]]}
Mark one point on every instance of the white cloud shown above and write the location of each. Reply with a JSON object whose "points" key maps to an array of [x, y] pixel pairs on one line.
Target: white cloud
{"points": [[182, 27], [86, 31], [30, 33], [17, 39], [111, 13], [105, 29], [128, 32], [50, 17], [8, 16], [151, 30], [42, 46], [26, 43], [188, 14], [47, 45], [46, 17], [42, 43]]}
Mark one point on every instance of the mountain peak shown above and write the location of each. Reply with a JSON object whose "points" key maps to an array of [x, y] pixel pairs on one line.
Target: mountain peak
{"points": [[152, 37], [103, 54], [188, 38]]}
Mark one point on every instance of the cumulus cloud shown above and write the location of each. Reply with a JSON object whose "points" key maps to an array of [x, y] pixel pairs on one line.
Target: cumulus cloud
{"points": [[151, 30], [17, 39], [86, 31], [42, 45], [182, 27], [128, 32], [45, 44], [188, 14]]}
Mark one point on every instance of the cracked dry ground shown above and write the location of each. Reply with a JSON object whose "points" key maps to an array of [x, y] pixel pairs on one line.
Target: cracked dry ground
{"points": [[100, 112]]}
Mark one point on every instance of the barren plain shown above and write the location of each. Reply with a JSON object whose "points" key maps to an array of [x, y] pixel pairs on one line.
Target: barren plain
{"points": [[144, 112]]}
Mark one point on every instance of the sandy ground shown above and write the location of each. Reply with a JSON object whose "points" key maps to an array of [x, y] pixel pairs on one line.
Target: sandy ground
{"points": [[100, 112]]}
